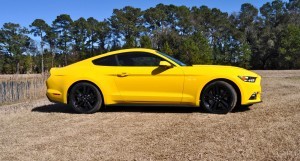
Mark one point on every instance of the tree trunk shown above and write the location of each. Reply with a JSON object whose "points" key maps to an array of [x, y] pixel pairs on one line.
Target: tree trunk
{"points": [[52, 60], [92, 44], [66, 62], [53, 55], [18, 68], [42, 47]]}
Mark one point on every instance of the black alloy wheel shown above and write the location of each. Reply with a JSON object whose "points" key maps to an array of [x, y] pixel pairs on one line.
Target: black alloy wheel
{"points": [[85, 98], [218, 97]]}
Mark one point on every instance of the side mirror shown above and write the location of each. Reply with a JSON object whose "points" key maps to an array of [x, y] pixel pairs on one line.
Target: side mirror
{"points": [[165, 64]]}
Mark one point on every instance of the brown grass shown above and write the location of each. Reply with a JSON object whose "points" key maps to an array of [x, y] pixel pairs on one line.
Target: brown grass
{"points": [[39, 130]]}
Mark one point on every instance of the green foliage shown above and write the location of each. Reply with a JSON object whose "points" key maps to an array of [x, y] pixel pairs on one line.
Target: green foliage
{"points": [[62, 26], [196, 50], [103, 30], [40, 28], [26, 66], [130, 43], [146, 42], [79, 33], [244, 56], [166, 48], [14, 42], [290, 48], [126, 23]]}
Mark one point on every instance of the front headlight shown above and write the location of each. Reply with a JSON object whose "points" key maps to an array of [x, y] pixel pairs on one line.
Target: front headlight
{"points": [[248, 79]]}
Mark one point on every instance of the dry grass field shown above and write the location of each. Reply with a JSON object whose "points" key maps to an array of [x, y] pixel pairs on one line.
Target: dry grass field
{"points": [[21, 87], [39, 130]]}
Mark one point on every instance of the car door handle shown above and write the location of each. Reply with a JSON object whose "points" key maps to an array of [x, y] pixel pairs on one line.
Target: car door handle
{"points": [[122, 75]]}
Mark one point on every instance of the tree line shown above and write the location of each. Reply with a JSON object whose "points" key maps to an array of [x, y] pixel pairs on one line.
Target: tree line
{"points": [[254, 38]]}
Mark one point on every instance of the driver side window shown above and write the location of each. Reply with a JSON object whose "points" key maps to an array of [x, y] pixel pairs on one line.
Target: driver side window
{"points": [[138, 59]]}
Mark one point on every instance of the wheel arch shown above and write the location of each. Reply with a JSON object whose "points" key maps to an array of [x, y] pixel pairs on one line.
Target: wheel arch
{"points": [[234, 85], [84, 81]]}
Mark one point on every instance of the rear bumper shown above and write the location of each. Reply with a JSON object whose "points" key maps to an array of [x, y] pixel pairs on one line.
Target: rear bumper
{"points": [[51, 99], [54, 96]]}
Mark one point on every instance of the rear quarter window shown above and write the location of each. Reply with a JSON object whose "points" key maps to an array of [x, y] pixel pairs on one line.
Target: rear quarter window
{"points": [[106, 61]]}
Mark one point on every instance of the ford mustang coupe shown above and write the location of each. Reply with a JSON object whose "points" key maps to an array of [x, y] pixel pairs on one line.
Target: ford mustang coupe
{"points": [[149, 77]]}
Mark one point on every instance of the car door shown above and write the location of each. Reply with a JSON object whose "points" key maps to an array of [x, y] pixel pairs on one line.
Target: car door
{"points": [[140, 79]]}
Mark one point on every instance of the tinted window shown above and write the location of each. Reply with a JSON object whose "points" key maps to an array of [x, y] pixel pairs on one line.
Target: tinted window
{"points": [[138, 59], [106, 61]]}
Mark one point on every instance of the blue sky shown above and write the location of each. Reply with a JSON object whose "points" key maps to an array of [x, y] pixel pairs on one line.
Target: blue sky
{"points": [[25, 12]]}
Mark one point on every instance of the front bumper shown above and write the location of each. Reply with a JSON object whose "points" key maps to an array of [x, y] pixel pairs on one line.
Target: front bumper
{"points": [[251, 92]]}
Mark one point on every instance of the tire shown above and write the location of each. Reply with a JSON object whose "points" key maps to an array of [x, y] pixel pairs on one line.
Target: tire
{"points": [[85, 98], [218, 97]]}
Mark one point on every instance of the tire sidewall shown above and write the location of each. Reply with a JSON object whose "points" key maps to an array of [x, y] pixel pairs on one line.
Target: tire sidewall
{"points": [[229, 89], [96, 107]]}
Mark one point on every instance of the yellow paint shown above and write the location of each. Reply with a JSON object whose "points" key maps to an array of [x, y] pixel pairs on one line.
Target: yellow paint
{"points": [[148, 85]]}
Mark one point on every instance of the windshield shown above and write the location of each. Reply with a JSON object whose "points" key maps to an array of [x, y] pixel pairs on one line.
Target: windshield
{"points": [[173, 59]]}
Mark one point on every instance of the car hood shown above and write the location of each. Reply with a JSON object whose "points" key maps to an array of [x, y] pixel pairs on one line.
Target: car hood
{"points": [[218, 70]]}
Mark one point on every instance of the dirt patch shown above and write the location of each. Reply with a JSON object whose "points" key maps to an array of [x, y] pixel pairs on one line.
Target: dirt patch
{"points": [[40, 130]]}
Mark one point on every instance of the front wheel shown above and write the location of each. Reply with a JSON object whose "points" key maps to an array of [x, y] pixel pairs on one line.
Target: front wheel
{"points": [[85, 98], [218, 97]]}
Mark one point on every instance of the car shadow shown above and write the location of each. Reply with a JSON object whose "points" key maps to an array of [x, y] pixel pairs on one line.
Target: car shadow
{"points": [[154, 109], [54, 108], [62, 108], [242, 108]]}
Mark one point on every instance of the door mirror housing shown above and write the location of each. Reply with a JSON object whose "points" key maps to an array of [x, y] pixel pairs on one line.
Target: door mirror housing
{"points": [[165, 64]]}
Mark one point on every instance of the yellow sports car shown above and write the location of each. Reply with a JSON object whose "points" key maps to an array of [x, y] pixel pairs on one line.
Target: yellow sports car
{"points": [[149, 77]]}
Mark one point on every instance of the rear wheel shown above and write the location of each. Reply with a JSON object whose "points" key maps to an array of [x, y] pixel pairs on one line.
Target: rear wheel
{"points": [[85, 98], [218, 97]]}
